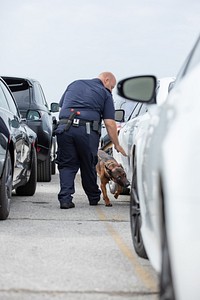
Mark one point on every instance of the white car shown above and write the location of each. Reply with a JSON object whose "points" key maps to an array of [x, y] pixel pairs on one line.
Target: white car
{"points": [[165, 197], [130, 110], [138, 119], [126, 137]]}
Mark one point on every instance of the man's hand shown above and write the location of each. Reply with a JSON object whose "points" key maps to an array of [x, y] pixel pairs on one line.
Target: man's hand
{"points": [[121, 150], [112, 131]]}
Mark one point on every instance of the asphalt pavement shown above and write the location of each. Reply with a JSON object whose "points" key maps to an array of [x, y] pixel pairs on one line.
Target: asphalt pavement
{"points": [[84, 253]]}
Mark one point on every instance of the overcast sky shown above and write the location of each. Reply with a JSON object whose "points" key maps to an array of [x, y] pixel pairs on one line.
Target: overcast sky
{"points": [[58, 41]]}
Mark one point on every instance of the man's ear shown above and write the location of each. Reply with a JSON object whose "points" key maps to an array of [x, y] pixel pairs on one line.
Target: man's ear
{"points": [[106, 80]]}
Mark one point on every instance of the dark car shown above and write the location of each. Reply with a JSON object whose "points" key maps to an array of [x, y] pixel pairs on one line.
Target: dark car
{"points": [[34, 108], [18, 160]]}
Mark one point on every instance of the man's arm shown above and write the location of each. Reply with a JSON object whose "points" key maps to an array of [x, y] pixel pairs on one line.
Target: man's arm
{"points": [[113, 134]]}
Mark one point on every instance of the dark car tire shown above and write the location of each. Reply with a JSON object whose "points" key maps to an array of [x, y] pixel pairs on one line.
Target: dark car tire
{"points": [[135, 218], [6, 188], [166, 282], [44, 170], [29, 188], [125, 191], [53, 167]]}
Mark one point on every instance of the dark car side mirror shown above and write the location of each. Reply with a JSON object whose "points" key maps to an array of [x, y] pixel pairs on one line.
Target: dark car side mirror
{"points": [[138, 88], [54, 107]]}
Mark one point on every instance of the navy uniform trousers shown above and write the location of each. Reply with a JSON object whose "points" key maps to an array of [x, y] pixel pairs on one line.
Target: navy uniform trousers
{"points": [[77, 149]]}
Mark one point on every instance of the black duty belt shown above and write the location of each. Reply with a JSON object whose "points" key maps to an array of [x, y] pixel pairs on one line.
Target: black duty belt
{"points": [[75, 122]]}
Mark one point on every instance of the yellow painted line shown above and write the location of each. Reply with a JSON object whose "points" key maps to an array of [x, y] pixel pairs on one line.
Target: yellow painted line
{"points": [[143, 275]]}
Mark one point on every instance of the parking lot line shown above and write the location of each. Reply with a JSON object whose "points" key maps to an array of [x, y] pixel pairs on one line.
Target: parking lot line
{"points": [[145, 277]]}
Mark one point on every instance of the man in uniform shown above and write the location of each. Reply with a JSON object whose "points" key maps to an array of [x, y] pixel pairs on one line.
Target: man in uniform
{"points": [[83, 106]]}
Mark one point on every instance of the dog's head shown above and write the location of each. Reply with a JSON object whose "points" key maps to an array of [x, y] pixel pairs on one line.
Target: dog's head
{"points": [[117, 174]]}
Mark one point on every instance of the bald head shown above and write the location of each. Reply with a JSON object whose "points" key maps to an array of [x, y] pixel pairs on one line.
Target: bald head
{"points": [[108, 80]]}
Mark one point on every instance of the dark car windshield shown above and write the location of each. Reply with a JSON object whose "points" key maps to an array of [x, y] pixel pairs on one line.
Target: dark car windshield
{"points": [[22, 98], [21, 91]]}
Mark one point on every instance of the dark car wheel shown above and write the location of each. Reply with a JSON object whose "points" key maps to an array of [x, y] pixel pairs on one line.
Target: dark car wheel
{"points": [[6, 188], [53, 167], [113, 188], [29, 188], [44, 170], [166, 282], [135, 218], [125, 191], [166, 285]]}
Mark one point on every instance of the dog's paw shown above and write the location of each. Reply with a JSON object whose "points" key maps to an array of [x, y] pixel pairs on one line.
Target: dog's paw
{"points": [[108, 205], [116, 196]]}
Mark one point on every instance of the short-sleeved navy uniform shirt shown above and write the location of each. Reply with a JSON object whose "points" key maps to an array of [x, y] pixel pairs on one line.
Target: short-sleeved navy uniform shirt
{"points": [[90, 98]]}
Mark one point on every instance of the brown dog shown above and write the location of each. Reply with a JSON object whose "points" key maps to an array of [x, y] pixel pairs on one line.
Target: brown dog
{"points": [[109, 169]]}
